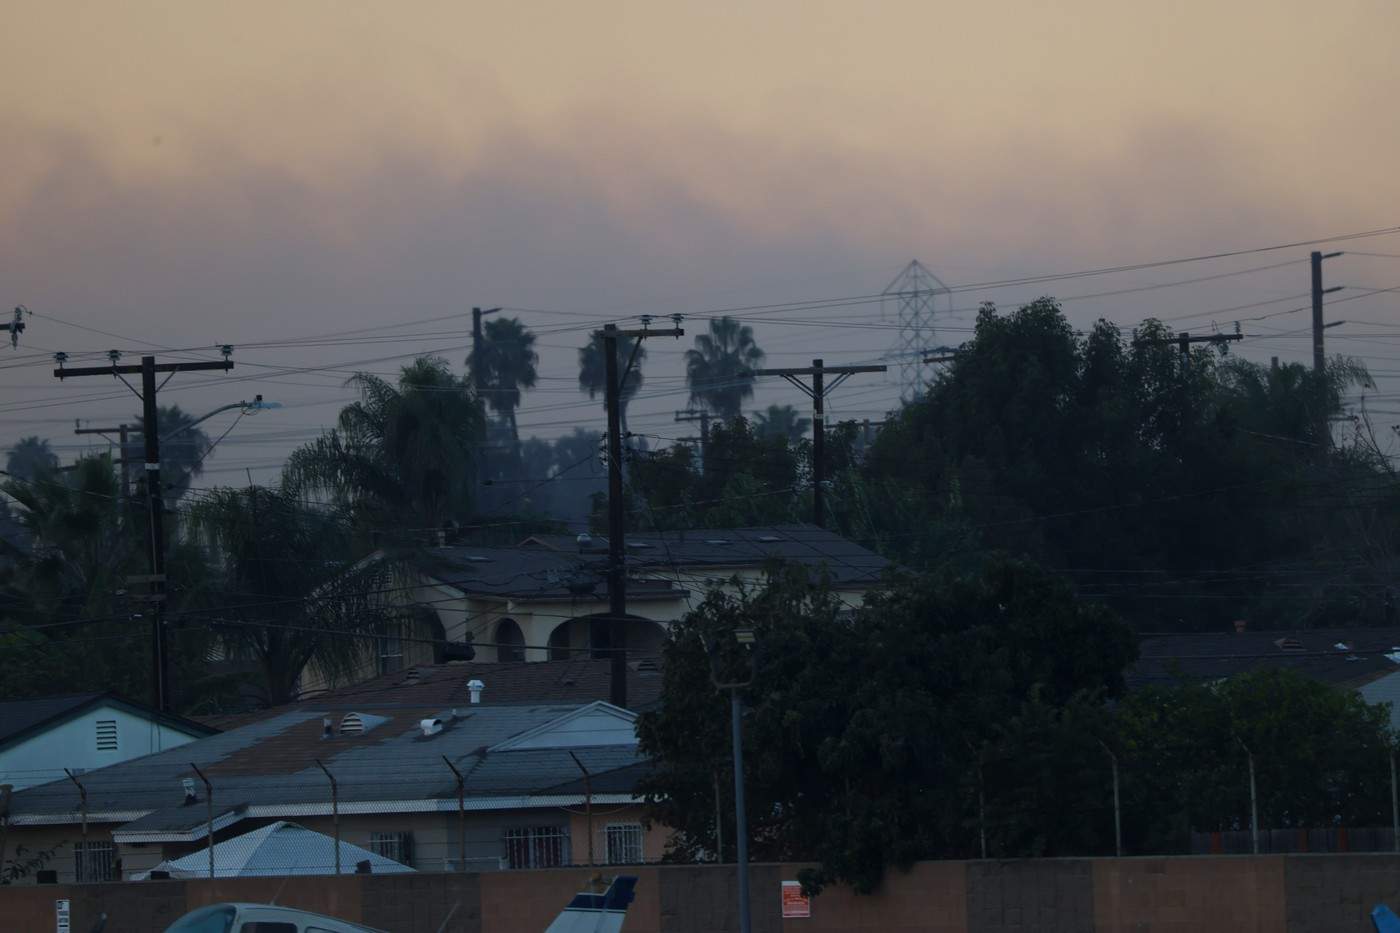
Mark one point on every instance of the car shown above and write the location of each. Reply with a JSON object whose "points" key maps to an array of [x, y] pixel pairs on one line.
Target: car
{"points": [[588, 912]]}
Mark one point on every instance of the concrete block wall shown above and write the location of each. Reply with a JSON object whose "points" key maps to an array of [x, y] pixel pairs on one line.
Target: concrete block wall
{"points": [[1223, 894]]}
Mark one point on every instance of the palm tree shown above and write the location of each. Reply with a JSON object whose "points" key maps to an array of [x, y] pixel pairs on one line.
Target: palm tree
{"points": [[507, 361], [304, 598], [31, 456], [593, 372], [400, 455], [781, 421], [720, 368], [182, 450]]}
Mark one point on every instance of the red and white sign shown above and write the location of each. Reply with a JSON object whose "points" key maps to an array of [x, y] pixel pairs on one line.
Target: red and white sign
{"points": [[795, 903]]}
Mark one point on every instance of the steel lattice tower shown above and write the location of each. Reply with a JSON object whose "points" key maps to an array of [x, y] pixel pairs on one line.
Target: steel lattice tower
{"points": [[917, 296]]}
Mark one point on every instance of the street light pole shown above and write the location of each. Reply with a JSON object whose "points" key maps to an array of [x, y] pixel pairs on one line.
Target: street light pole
{"points": [[736, 730]]}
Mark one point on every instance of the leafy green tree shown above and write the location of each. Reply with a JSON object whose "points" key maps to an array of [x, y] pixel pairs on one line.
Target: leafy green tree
{"points": [[593, 372], [29, 457], [866, 732], [508, 360], [720, 369], [301, 597], [1143, 471], [1321, 758], [781, 421], [401, 456]]}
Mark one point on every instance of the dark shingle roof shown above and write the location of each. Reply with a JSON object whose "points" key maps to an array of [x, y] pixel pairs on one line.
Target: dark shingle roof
{"points": [[554, 566], [574, 681], [1335, 656], [273, 763]]}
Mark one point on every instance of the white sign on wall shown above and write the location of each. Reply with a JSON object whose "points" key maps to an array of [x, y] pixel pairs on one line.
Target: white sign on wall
{"points": [[60, 908]]}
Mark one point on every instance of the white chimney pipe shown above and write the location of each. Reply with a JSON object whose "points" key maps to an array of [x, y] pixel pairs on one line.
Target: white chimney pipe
{"points": [[476, 686], [430, 726]]}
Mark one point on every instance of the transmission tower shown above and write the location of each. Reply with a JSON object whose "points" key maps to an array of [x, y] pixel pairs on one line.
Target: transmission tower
{"points": [[917, 296]]}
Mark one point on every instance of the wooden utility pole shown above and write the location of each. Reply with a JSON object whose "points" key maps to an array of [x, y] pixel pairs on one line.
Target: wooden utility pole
{"points": [[1184, 340], [817, 392], [609, 639], [477, 339], [124, 432], [155, 504], [703, 416]]}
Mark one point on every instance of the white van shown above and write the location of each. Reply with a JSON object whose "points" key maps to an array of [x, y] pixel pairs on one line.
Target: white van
{"points": [[260, 918]]}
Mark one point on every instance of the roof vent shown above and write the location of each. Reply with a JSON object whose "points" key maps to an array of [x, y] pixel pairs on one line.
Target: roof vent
{"points": [[326, 727], [1289, 644], [190, 795], [476, 686], [1342, 646], [584, 541], [359, 723], [476, 559], [769, 539], [718, 542], [413, 676], [430, 727]]}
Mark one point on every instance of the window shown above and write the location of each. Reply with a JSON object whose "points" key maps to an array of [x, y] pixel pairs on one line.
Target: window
{"points": [[397, 846], [216, 919], [536, 847], [510, 641], [94, 861], [624, 843], [106, 735], [391, 648]]}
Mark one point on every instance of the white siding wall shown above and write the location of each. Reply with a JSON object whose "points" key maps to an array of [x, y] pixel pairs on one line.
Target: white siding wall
{"points": [[73, 745]]}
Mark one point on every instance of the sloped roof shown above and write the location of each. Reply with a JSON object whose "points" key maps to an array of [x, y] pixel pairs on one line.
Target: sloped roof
{"points": [[557, 567], [270, 768], [511, 683], [20, 719], [1345, 657]]}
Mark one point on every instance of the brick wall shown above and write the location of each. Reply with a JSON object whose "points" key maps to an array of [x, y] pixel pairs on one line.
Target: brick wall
{"points": [[1226, 894]]}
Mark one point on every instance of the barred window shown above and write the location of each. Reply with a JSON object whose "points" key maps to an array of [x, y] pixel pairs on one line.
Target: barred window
{"points": [[536, 847], [94, 861], [396, 846], [624, 843]]}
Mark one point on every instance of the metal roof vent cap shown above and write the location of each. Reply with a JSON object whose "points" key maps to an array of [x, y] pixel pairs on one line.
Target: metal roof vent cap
{"points": [[430, 727], [584, 541], [190, 795], [476, 686]]}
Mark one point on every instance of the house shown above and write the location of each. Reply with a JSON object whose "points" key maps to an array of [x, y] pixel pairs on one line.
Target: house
{"points": [[534, 601], [81, 732], [435, 787], [1366, 660]]}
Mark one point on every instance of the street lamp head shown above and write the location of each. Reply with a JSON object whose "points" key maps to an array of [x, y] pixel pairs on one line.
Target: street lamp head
{"points": [[258, 405]]}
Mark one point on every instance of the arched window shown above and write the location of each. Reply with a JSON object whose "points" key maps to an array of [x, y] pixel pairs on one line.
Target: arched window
{"points": [[510, 641]]}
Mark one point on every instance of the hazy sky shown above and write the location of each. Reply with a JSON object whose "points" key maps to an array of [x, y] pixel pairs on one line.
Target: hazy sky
{"points": [[187, 174]]}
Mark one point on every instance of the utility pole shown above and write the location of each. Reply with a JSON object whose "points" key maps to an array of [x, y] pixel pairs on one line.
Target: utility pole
{"points": [[124, 432], [1324, 432], [610, 639], [817, 392], [703, 416], [155, 505], [1184, 340], [477, 339]]}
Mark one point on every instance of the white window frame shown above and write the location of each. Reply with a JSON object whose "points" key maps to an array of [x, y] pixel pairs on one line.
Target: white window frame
{"points": [[624, 843], [389, 647]]}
